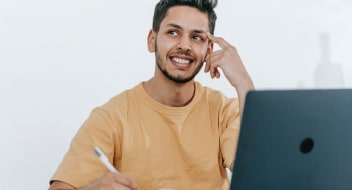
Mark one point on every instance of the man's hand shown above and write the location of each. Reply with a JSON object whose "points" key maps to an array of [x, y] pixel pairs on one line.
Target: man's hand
{"points": [[228, 60], [110, 181], [231, 65]]}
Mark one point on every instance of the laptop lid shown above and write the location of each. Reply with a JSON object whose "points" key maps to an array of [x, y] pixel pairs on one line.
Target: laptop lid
{"points": [[295, 139]]}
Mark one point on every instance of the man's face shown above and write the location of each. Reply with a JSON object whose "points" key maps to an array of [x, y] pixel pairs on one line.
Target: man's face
{"points": [[181, 44]]}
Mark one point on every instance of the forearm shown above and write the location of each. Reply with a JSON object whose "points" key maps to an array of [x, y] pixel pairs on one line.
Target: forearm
{"points": [[242, 91], [108, 181], [59, 185]]}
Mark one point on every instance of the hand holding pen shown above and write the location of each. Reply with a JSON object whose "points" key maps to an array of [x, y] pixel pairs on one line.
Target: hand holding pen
{"points": [[113, 179]]}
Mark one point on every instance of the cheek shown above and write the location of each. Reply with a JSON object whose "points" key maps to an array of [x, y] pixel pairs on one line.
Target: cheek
{"points": [[163, 48]]}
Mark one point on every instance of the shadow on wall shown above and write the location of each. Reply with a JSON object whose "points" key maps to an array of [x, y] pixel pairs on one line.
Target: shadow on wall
{"points": [[327, 73]]}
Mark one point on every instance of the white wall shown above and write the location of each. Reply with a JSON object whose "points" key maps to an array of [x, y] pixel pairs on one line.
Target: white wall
{"points": [[60, 59]]}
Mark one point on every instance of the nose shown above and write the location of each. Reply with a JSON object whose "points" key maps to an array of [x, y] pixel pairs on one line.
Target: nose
{"points": [[184, 44]]}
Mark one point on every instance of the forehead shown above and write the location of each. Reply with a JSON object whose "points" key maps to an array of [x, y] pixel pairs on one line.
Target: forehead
{"points": [[188, 18]]}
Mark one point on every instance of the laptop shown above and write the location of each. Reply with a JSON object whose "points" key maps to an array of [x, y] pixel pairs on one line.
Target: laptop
{"points": [[295, 140]]}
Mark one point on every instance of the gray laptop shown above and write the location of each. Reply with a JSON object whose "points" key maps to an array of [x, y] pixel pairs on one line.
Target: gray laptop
{"points": [[295, 139]]}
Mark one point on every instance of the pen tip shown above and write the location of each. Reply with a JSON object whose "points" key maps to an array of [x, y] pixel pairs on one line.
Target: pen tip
{"points": [[96, 151]]}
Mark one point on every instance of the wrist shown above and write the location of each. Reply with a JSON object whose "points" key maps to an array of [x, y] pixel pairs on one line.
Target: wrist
{"points": [[243, 88]]}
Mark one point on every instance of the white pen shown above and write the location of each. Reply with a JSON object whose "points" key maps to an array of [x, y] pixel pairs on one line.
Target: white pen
{"points": [[104, 160]]}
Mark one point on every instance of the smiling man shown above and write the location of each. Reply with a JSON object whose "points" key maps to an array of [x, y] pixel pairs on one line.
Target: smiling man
{"points": [[169, 132]]}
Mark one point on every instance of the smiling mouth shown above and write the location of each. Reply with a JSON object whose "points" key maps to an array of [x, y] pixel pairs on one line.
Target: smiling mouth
{"points": [[182, 60]]}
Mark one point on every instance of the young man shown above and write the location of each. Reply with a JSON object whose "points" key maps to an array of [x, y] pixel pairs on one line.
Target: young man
{"points": [[168, 132]]}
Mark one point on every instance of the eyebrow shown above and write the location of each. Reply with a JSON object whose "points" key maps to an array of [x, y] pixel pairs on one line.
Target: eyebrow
{"points": [[179, 27]]}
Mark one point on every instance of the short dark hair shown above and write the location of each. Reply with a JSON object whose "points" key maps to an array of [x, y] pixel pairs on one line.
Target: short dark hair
{"points": [[205, 6]]}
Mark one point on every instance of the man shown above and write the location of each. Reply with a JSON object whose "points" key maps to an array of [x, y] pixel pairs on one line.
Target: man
{"points": [[169, 132]]}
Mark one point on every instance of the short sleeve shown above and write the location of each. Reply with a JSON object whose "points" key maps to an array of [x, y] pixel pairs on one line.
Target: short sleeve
{"points": [[80, 166]]}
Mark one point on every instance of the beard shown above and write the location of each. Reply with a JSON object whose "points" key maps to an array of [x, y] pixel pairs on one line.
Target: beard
{"points": [[176, 79]]}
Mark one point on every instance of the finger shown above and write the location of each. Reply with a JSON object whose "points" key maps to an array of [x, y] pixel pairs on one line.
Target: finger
{"points": [[218, 40], [216, 57], [216, 73], [125, 180], [212, 64], [120, 187], [207, 65], [213, 70]]}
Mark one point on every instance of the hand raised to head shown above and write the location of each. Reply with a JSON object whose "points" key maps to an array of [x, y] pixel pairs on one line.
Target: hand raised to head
{"points": [[228, 60]]}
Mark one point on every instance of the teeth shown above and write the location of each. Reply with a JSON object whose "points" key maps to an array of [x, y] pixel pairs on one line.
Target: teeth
{"points": [[182, 61]]}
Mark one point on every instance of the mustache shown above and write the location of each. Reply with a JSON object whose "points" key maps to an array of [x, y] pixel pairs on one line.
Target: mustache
{"points": [[189, 54], [183, 52]]}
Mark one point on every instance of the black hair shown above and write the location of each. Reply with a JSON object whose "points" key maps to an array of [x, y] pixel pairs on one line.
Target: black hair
{"points": [[205, 6]]}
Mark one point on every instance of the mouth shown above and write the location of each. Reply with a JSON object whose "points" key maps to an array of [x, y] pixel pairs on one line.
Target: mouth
{"points": [[182, 61]]}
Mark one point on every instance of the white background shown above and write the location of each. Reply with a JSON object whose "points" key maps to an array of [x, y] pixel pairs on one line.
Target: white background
{"points": [[60, 59]]}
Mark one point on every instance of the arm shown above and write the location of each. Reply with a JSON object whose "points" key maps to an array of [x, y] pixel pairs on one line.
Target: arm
{"points": [[59, 185], [108, 181], [228, 60], [81, 168]]}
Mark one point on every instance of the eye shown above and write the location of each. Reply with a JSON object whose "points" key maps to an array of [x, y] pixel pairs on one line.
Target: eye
{"points": [[172, 32], [197, 38]]}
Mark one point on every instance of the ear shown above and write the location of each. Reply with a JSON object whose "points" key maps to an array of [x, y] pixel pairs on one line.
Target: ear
{"points": [[151, 41]]}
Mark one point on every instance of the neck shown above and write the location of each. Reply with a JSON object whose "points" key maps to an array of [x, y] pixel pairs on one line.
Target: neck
{"points": [[170, 93]]}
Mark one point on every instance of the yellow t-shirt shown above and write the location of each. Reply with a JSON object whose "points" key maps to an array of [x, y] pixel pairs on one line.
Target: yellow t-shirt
{"points": [[160, 146]]}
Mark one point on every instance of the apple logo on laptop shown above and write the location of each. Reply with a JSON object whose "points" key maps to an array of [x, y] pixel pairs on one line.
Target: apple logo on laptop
{"points": [[307, 145]]}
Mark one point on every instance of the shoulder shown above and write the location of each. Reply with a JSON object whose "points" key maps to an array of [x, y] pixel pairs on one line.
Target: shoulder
{"points": [[214, 96], [119, 103]]}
